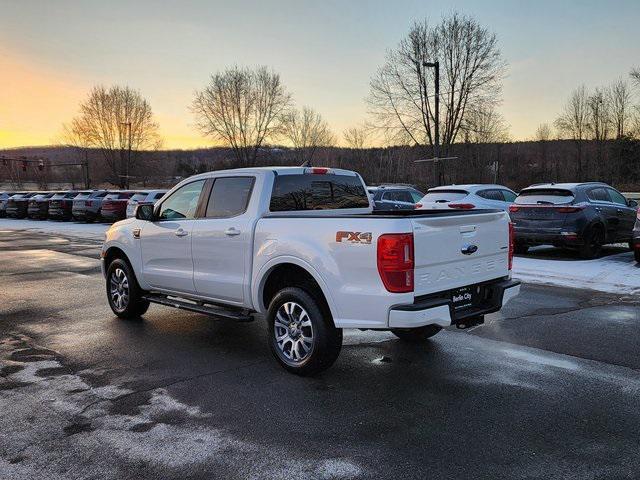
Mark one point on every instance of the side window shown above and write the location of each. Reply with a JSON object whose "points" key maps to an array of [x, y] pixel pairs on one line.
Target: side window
{"points": [[616, 197], [229, 197], [598, 195], [508, 195], [182, 203], [415, 196], [491, 195]]}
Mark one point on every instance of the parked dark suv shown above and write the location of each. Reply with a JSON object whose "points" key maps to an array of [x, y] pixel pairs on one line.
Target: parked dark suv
{"points": [[582, 216], [394, 197]]}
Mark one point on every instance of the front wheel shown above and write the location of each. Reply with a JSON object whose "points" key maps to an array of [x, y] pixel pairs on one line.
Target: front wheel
{"points": [[416, 335], [302, 336], [123, 292]]}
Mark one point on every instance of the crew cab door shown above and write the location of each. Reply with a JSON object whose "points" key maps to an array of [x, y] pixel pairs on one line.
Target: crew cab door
{"points": [[166, 242], [222, 241]]}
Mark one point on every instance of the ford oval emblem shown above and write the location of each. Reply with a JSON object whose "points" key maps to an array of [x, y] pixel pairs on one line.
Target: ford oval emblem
{"points": [[468, 249]]}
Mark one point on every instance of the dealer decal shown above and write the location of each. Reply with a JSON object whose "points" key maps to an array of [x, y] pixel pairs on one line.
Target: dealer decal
{"points": [[354, 237]]}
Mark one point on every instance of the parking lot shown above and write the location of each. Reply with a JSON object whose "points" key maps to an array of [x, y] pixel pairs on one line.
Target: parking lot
{"points": [[547, 388]]}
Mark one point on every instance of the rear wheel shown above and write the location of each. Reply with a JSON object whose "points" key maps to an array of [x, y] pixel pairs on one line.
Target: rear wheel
{"points": [[123, 292], [593, 241], [302, 336], [416, 335]]}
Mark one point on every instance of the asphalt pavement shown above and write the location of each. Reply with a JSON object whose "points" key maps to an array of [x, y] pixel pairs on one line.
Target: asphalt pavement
{"points": [[547, 388]]}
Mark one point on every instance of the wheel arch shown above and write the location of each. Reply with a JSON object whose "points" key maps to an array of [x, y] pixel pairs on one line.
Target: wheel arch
{"points": [[290, 272]]}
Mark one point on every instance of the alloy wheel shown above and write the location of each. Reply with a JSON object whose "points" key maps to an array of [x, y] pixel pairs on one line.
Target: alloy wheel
{"points": [[293, 332], [119, 289]]}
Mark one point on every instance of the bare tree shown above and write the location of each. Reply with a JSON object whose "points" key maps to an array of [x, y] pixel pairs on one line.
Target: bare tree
{"points": [[635, 75], [401, 95], [621, 110], [484, 124], [242, 108], [117, 121], [543, 133], [573, 122], [599, 115], [356, 137], [307, 131]]}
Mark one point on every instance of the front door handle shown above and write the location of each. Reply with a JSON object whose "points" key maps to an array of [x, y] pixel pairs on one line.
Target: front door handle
{"points": [[232, 232], [181, 233]]}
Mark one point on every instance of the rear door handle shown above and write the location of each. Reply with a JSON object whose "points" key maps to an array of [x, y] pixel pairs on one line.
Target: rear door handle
{"points": [[181, 233], [232, 232]]}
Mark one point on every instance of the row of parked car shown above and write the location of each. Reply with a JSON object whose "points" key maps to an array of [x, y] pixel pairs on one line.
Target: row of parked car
{"points": [[578, 216], [81, 205]]}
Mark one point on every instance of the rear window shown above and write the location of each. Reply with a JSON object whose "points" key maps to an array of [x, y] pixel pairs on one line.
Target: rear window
{"points": [[58, 196], [546, 196], [317, 192], [444, 196], [157, 196]]}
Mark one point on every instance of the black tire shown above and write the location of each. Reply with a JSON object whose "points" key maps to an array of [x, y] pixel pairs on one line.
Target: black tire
{"points": [[636, 254], [416, 335], [593, 241], [134, 306], [326, 339], [520, 248]]}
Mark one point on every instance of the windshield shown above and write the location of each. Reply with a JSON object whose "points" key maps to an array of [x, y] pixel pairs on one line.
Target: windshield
{"points": [[545, 196]]}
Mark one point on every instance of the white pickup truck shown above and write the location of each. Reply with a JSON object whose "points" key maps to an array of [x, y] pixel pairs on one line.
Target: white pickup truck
{"points": [[302, 247]]}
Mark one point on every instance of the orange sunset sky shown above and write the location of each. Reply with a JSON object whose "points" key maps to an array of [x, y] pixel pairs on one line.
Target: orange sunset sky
{"points": [[52, 53]]}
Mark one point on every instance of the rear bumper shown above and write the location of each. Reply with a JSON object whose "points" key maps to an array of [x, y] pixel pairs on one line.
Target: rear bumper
{"points": [[556, 236], [438, 310]]}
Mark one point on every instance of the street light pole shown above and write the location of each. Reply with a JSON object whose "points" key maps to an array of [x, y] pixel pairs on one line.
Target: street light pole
{"points": [[436, 66]]}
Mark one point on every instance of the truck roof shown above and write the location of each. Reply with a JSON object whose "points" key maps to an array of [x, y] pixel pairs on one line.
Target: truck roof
{"points": [[278, 170]]}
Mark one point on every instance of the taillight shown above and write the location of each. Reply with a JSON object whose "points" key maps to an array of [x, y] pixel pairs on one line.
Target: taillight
{"points": [[395, 261], [461, 206], [511, 245], [513, 208], [417, 205]]}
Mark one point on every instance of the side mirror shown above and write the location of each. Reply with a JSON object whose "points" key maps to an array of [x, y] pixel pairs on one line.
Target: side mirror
{"points": [[632, 203], [144, 212]]}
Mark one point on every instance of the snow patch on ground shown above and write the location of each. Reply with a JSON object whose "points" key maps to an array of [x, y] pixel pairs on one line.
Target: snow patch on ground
{"points": [[89, 439], [93, 231], [618, 273]]}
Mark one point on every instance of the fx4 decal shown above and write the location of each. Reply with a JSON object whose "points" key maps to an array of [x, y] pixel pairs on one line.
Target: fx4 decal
{"points": [[354, 237]]}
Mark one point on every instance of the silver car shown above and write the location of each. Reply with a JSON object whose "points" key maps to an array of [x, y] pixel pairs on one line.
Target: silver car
{"points": [[148, 196], [468, 197]]}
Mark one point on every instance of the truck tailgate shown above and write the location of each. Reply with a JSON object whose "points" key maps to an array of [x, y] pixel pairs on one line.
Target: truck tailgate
{"points": [[456, 251]]}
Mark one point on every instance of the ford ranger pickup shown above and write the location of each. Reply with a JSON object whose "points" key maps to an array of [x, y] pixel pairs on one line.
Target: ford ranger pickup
{"points": [[303, 248]]}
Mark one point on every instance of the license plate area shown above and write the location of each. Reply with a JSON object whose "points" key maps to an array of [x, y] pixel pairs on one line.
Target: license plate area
{"points": [[466, 297]]}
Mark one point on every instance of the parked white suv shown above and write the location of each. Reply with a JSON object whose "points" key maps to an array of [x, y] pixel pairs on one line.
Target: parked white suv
{"points": [[302, 247], [147, 196], [467, 197]]}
